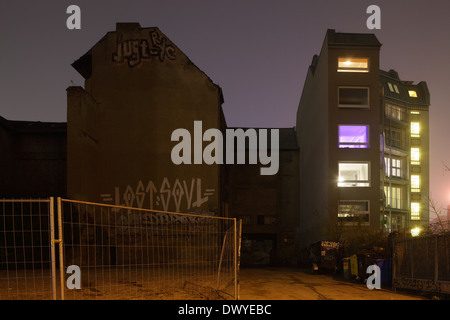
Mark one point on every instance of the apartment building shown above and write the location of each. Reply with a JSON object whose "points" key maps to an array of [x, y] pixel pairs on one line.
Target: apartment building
{"points": [[360, 165], [405, 152]]}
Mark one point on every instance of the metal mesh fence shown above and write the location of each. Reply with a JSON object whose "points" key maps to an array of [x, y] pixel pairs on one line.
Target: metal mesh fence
{"points": [[25, 249], [423, 263], [128, 253]]}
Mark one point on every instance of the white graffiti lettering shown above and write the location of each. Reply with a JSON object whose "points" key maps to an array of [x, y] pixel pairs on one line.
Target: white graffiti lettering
{"points": [[181, 194]]}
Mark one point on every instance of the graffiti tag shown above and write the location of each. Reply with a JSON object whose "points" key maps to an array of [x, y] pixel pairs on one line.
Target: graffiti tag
{"points": [[134, 51]]}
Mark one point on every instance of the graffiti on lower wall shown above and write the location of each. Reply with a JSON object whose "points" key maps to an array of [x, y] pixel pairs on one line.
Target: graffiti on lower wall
{"points": [[134, 51], [415, 284], [178, 195]]}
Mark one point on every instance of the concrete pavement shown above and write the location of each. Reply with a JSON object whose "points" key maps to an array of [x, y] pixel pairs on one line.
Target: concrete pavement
{"points": [[295, 284]]}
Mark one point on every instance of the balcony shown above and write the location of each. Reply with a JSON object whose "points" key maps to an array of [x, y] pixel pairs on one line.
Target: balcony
{"points": [[396, 113]]}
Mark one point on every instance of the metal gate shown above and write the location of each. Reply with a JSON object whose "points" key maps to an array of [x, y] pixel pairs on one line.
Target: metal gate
{"points": [[97, 251]]}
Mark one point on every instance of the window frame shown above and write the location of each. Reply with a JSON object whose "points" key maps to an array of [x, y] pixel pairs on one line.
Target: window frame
{"points": [[412, 93], [354, 214], [344, 69], [353, 106], [394, 138], [395, 111], [396, 89], [397, 169], [415, 183], [354, 183], [415, 162], [415, 133], [348, 145], [416, 215], [391, 87], [397, 202]]}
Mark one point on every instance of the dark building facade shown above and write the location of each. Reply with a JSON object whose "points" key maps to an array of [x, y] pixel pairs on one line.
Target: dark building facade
{"points": [[33, 161], [268, 206]]}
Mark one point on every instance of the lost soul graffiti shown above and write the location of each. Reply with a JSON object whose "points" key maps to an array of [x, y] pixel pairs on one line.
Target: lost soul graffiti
{"points": [[180, 192], [136, 50]]}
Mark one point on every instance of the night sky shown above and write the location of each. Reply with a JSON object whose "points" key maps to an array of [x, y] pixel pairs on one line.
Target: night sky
{"points": [[258, 52]]}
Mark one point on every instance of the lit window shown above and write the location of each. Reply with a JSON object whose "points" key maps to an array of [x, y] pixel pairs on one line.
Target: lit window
{"points": [[415, 129], [415, 183], [395, 112], [396, 167], [353, 136], [415, 112], [415, 210], [391, 88], [415, 156], [353, 65], [394, 198], [353, 97], [412, 93], [351, 212], [353, 174], [396, 89]]}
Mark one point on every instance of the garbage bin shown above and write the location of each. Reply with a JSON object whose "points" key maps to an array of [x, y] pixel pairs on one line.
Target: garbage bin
{"points": [[366, 257], [354, 266], [385, 266], [346, 268]]}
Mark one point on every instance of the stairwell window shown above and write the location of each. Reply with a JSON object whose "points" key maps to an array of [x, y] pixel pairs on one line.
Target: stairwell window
{"points": [[415, 156], [415, 211], [415, 130], [415, 183], [346, 64]]}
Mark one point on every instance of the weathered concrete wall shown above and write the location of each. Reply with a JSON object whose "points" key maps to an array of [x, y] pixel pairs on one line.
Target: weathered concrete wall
{"points": [[139, 88]]}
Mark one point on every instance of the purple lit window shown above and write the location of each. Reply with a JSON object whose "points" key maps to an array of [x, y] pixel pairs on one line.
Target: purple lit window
{"points": [[353, 136]]}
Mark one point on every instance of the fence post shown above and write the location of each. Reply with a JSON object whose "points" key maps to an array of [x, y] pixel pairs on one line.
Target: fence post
{"points": [[394, 265], [436, 261], [61, 249], [52, 246]]}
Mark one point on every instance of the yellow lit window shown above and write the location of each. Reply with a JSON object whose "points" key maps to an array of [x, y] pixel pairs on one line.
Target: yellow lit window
{"points": [[415, 112], [394, 198], [412, 93], [415, 156], [415, 129], [415, 210], [353, 65], [415, 183]]}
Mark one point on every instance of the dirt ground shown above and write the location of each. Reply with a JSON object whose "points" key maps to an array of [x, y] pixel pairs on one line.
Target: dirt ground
{"points": [[120, 284], [294, 284], [262, 283]]}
